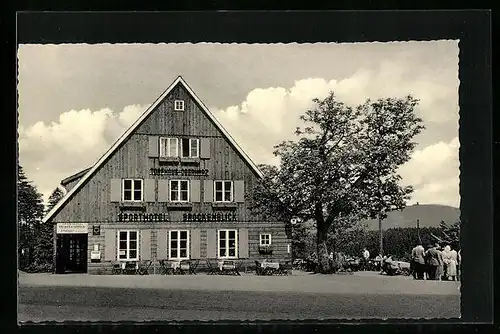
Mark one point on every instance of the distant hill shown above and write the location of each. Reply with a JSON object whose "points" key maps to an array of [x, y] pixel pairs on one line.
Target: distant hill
{"points": [[430, 215]]}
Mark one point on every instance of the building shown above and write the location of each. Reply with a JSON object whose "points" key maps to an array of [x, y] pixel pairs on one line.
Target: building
{"points": [[174, 186]]}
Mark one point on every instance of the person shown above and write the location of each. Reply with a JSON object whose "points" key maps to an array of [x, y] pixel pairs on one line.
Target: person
{"points": [[366, 257], [459, 266], [433, 262], [450, 261], [440, 269], [378, 261], [418, 260], [389, 266]]}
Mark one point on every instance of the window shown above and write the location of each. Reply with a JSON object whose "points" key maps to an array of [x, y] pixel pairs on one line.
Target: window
{"points": [[169, 147], [179, 105], [190, 147], [179, 245], [128, 245], [265, 239], [132, 190], [179, 191], [227, 244], [223, 191]]}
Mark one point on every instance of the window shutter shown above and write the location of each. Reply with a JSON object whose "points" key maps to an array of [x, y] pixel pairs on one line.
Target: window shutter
{"points": [[145, 245], [110, 245], [161, 245], [211, 244], [239, 191], [205, 148], [153, 146], [243, 243], [195, 190], [115, 189], [195, 244], [208, 191], [162, 190], [149, 190]]}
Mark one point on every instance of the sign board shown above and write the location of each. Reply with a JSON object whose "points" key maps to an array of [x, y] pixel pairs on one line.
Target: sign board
{"points": [[178, 172], [95, 255], [72, 228], [142, 217], [210, 217]]}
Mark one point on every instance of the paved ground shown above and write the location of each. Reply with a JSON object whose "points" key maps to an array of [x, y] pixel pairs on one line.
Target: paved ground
{"points": [[44, 297]]}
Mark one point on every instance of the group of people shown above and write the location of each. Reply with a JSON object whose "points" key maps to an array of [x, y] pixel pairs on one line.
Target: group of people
{"points": [[435, 263]]}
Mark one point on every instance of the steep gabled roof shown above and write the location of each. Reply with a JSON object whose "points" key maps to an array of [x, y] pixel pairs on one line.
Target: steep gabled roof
{"points": [[74, 177], [132, 129]]}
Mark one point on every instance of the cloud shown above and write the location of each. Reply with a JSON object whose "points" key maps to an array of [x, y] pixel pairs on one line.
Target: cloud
{"points": [[267, 116], [51, 152]]}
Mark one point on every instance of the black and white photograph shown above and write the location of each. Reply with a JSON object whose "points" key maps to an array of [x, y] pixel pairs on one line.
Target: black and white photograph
{"points": [[213, 181]]}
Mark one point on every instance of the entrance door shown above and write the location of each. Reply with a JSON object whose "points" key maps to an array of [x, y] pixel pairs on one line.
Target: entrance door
{"points": [[72, 253]]}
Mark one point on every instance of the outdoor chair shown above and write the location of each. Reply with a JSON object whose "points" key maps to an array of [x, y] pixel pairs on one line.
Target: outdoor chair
{"points": [[131, 268], [212, 268], [144, 268], [258, 269], [193, 266], [117, 269], [284, 269], [228, 267]]}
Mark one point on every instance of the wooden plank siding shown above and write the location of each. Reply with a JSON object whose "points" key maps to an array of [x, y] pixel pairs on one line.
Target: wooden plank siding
{"points": [[279, 240], [92, 202]]}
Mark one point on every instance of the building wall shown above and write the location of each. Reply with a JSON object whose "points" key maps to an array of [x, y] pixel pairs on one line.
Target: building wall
{"points": [[92, 203], [95, 203], [279, 240]]}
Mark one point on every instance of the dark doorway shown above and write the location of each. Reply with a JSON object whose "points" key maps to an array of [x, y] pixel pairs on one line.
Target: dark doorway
{"points": [[71, 256]]}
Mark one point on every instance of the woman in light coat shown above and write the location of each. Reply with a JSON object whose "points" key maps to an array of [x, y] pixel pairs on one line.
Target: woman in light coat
{"points": [[450, 259]]}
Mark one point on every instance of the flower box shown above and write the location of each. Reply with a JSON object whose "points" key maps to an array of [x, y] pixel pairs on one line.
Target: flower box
{"points": [[265, 250]]}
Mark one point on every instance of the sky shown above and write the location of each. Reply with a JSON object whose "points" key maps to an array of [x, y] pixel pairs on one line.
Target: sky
{"points": [[75, 100]]}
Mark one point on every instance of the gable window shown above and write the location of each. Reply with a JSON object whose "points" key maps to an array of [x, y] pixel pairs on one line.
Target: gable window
{"points": [[227, 244], [190, 147], [179, 245], [265, 239], [132, 190], [179, 191], [169, 147], [223, 191], [179, 105], [128, 245]]}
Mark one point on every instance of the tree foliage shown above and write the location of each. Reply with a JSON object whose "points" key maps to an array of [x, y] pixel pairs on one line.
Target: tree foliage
{"points": [[449, 234], [54, 198], [343, 166], [30, 213]]}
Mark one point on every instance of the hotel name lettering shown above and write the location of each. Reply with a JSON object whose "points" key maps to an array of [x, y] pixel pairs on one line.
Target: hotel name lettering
{"points": [[142, 217], [178, 172], [210, 217]]}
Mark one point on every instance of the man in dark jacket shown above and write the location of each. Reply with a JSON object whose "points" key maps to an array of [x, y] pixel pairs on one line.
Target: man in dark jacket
{"points": [[433, 262]]}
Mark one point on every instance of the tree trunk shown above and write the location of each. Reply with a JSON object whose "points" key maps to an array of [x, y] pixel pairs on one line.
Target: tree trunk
{"points": [[381, 236], [322, 250]]}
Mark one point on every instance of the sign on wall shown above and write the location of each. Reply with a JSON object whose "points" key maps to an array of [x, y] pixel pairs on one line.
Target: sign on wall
{"points": [[72, 228], [178, 172], [142, 217], [210, 217]]}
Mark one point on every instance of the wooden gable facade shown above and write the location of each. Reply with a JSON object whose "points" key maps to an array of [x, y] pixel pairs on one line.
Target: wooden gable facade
{"points": [[175, 172]]}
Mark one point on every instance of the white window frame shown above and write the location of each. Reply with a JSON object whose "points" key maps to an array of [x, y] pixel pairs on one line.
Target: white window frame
{"points": [[179, 191], [261, 239], [127, 250], [178, 257], [190, 147], [165, 147], [224, 191], [236, 245], [179, 103], [133, 190]]}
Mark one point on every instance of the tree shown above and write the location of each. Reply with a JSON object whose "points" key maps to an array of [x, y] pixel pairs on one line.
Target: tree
{"points": [[450, 234], [54, 198], [343, 159], [30, 213]]}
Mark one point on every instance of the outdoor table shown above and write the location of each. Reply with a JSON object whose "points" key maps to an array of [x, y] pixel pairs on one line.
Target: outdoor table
{"points": [[228, 267], [130, 268], [270, 268], [169, 267]]}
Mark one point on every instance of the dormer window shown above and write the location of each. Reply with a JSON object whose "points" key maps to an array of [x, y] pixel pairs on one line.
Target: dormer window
{"points": [[179, 105]]}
